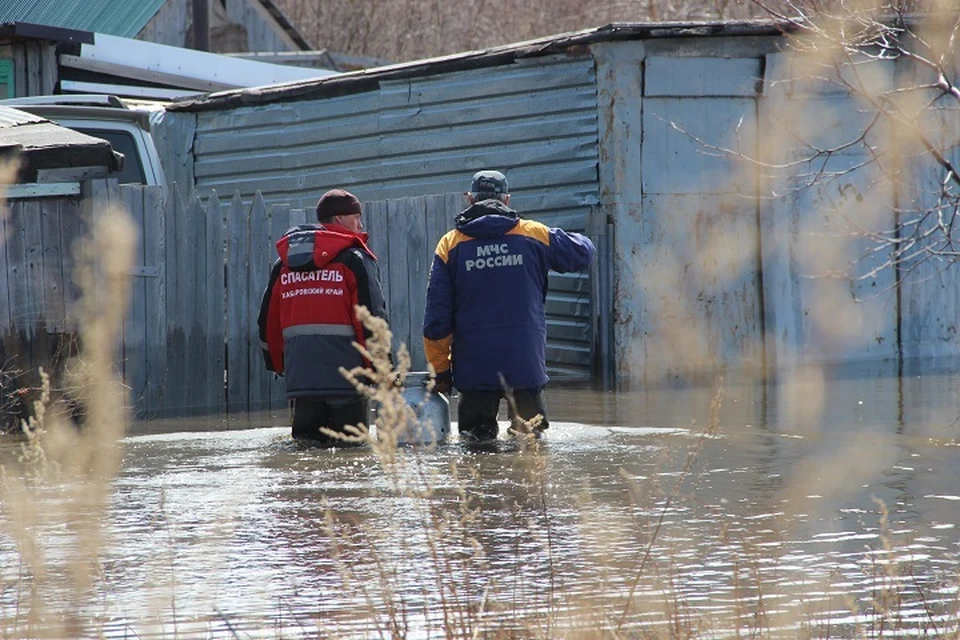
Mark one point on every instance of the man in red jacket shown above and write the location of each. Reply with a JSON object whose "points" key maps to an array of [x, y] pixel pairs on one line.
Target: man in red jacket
{"points": [[308, 321]]}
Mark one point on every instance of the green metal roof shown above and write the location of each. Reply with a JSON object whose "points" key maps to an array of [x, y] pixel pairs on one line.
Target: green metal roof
{"points": [[124, 18]]}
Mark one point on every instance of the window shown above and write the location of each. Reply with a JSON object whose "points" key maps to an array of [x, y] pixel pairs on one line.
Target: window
{"points": [[124, 143], [6, 79]]}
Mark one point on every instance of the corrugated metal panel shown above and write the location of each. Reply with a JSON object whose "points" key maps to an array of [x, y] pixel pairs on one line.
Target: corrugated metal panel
{"points": [[115, 17], [536, 120], [10, 117]]}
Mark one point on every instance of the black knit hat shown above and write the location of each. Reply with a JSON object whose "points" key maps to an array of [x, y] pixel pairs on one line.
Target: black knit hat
{"points": [[337, 202]]}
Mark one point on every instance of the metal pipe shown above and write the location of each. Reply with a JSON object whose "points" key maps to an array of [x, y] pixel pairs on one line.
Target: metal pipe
{"points": [[201, 25]]}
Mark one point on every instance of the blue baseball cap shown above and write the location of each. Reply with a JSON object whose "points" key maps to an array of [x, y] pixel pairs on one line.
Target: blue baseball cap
{"points": [[489, 184]]}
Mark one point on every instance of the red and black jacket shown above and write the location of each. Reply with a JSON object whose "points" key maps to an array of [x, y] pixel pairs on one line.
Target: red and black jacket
{"points": [[308, 322]]}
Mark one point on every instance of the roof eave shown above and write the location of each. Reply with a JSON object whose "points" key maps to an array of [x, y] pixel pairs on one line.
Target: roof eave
{"points": [[369, 79], [30, 31]]}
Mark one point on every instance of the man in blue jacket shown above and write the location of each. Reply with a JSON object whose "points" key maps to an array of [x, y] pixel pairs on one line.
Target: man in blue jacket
{"points": [[485, 327]]}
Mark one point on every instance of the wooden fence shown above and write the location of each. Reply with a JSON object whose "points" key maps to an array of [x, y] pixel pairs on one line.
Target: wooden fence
{"points": [[36, 293], [190, 344]]}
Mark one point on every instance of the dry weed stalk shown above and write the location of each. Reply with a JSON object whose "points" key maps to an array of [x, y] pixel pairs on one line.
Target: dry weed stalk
{"points": [[381, 384], [456, 556], [675, 614], [64, 474], [453, 551], [32, 454]]}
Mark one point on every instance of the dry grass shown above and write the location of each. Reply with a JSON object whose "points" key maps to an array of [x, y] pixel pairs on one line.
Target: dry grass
{"points": [[57, 490]]}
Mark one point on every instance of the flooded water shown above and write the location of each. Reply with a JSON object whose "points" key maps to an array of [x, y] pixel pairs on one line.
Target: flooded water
{"points": [[815, 507]]}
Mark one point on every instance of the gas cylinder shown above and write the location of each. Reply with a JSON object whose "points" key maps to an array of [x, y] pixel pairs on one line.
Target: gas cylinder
{"points": [[432, 411]]}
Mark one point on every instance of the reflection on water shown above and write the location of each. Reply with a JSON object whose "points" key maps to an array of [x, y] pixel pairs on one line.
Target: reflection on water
{"points": [[829, 509]]}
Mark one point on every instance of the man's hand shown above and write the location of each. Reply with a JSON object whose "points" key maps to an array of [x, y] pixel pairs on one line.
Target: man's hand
{"points": [[443, 383]]}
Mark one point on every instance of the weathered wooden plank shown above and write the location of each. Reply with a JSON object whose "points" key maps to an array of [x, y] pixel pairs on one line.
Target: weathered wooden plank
{"points": [[102, 194], [54, 308], [73, 228], [134, 326], [43, 190], [279, 223], [419, 258], [5, 275], [261, 34], [195, 288], [20, 329], [32, 238], [375, 222], [178, 266], [103, 198], [238, 307], [299, 216], [34, 68], [48, 72], [215, 306], [258, 272], [441, 213], [398, 212], [154, 247], [20, 70]]}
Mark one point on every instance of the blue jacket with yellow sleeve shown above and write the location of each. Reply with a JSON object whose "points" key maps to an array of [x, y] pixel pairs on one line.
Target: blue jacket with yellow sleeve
{"points": [[485, 314]]}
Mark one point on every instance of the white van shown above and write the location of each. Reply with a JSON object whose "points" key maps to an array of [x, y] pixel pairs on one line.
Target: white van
{"points": [[125, 126]]}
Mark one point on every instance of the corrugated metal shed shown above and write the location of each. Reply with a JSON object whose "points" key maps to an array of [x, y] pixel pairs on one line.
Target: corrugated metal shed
{"points": [[428, 136], [406, 130], [43, 146], [114, 17], [647, 137], [565, 44], [396, 142]]}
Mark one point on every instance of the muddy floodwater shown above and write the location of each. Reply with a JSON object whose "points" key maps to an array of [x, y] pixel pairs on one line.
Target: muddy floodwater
{"points": [[816, 506]]}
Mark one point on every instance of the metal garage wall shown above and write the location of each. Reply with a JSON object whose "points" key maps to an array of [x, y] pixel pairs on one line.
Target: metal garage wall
{"points": [[814, 316], [535, 119], [698, 247]]}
